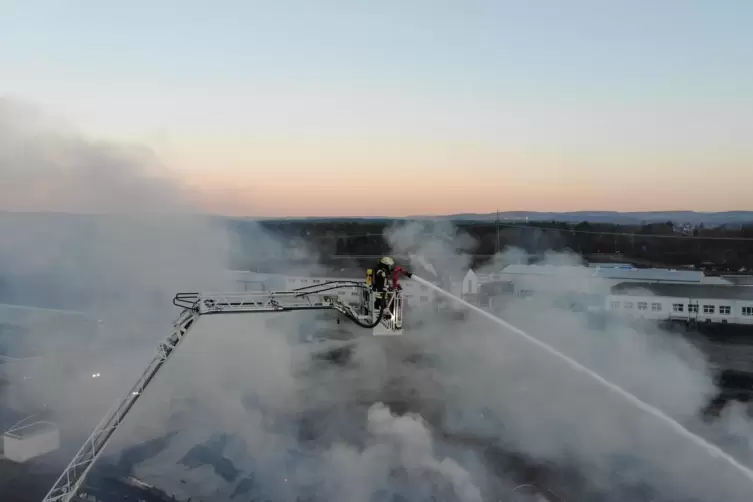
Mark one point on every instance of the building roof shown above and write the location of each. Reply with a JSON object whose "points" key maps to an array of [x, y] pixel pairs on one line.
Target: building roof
{"points": [[632, 274], [31, 430], [709, 291], [653, 274], [710, 279], [740, 280], [547, 269]]}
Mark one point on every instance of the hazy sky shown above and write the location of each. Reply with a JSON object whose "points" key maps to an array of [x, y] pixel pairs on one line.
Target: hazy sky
{"points": [[404, 107]]}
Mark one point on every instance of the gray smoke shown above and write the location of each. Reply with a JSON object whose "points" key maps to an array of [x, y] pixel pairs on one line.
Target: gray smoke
{"points": [[479, 385], [98, 228], [477, 388], [243, 410], [555, 416], [48, 166], [435, 242], [402, 442]]}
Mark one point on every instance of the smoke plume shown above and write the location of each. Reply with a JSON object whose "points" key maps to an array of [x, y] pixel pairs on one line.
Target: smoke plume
{"points": [[554, 415], [456, 409], [101, 229]]}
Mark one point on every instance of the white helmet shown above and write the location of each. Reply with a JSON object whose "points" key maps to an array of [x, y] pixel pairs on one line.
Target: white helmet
{"points": [[387, 261]]}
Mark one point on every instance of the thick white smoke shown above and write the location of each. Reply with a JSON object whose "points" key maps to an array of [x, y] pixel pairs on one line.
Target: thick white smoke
{"points": [[244, 411], [99, 228], [402, 443], [49, 166], [555, 415], [469, 390]]}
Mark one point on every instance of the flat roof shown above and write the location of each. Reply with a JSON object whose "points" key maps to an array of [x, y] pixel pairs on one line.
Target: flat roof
{"points": [[31, 430], [33, 308], [633, 274], [652, 274], [710, 291], [739, 280]]}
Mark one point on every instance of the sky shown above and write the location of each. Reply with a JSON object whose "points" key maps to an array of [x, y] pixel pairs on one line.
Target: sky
{"points": [[395, 108]]}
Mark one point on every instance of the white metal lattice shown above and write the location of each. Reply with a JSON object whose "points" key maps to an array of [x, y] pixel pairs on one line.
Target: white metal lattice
{"points": [[196, 305]]}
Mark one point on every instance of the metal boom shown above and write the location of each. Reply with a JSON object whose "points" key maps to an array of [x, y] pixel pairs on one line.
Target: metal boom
{"points": [[387, 321]]}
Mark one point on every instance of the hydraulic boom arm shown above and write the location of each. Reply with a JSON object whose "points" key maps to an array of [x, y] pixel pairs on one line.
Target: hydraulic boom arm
{"points": [[70, 481], [386, 321]]}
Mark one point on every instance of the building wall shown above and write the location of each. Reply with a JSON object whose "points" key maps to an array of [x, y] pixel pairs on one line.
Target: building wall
{"points": [[417, 295], [587, 280], [560, 284], [677, 308], [470, 284], [644, 307]]}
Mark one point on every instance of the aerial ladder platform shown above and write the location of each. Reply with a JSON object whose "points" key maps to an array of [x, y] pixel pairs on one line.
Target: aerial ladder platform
{"points": [[386, 320]]}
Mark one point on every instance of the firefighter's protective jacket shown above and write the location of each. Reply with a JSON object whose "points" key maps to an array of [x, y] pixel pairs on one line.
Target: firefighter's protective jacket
{"points": [[380, 278]]}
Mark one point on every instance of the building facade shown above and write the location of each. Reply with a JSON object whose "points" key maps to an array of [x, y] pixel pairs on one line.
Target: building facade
{"points": [[679, 302]]}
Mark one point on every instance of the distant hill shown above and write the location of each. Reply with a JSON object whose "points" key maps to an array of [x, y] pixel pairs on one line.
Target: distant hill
{"points": [[613, 217]]}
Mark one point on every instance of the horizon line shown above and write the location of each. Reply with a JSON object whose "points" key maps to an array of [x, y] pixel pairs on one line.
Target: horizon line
{"points": [[375, 217]]}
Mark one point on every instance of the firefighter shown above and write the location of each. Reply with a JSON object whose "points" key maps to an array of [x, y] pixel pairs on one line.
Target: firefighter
{"points": [[381, 276], [365, 300]]}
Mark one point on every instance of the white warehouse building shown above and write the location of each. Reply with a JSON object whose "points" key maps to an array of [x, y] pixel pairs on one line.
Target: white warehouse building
{"points": [[682, 302], [529, 279], [24, 443]]}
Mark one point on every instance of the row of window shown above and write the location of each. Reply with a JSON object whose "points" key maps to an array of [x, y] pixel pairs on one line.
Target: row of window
{"points": [[680, 307], [655, 307]]}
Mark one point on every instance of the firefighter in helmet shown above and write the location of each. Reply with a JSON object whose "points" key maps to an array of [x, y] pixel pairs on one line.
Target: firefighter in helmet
{"points": [[382, 273], [367, 291]]}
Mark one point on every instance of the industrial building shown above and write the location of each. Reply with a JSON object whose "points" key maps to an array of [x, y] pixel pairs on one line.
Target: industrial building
{"points": [[650, 294], [682, 302], [29, 441], [530, 279], [29, 338]]}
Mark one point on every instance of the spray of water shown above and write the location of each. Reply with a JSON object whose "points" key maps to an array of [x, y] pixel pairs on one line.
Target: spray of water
{"points": [[711, 449]]}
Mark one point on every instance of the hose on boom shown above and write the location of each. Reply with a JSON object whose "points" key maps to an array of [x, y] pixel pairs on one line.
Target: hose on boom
{"points": [[368, 326], [320, 288], [327, 283]]}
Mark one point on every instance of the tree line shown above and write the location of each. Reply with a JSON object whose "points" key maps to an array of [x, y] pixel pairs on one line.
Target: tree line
{"points": [[652, 244]]}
